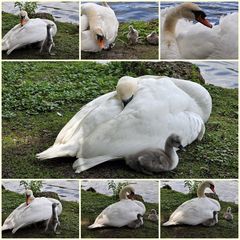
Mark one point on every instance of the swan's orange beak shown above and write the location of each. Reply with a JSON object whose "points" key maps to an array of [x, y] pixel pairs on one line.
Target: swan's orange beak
{"points": [[28, 201], [100, 43], [204, 21], [23, 21]]}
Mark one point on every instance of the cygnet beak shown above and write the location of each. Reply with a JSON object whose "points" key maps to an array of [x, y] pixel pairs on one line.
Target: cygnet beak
{"points": [[180, 147]]}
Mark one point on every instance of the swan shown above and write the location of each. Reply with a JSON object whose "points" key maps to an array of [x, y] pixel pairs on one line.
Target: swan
{"points": [[197, 210], [121, 213], [132, 35], [28, 31], [181, 39], [99, 27], [153, 216], [156, 160], [212, 221], [32, 211], [104, 130], [228, 214]]}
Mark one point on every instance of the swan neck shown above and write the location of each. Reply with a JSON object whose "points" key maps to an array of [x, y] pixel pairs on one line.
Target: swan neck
{"points": [[172, 156], [123, 194], [171, 21], [201, 190]]}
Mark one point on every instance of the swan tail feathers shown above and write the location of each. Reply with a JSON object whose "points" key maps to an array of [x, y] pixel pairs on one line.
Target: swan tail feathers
{"points": [[6, 227], [95, 225], [83, 164], [169, 223], [59, 150]]}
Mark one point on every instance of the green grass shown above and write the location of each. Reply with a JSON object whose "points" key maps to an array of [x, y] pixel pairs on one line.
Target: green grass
{"points": [[69, 219], [123, 50], [92, 205], [66, 41], [170, 200], [35, 93]]}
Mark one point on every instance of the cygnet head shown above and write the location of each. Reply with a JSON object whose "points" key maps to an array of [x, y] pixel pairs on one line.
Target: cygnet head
{"points": [[229, 209], [126, 89], [192, 11], [23, 17], [29, 196], [174, 141], [153, 211]]}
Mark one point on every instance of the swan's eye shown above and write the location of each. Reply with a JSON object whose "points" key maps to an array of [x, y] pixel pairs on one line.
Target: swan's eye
{"points": [[99, 37], [199, 14]]}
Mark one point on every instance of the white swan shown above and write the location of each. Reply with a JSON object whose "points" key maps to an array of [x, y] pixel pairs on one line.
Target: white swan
{"points": [[197, 210], [32, 211], [181, 39], [99, 27], [121, 213], [28, 31], [104, 130]]}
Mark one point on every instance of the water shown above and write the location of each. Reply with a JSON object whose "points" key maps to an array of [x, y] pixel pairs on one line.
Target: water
{"points": [[213, 10], [226, 190], [61, 11], [67, 190], [223, 74], [147, 189], [129, 11]]}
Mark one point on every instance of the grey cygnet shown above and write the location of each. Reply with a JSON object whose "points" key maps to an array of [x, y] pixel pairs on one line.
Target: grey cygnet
{"points": [[48, 43], [154, 160], [152, 38], [132, 35], [212, 221], [136, 223], [53, 222]]}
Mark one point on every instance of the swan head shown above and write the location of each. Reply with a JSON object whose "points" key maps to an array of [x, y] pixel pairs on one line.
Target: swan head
{"points": [[127, 192], [192, 11], [202, 186], [174, 141], [126, 89], [29, 196], [100, 38], [23, 17]]}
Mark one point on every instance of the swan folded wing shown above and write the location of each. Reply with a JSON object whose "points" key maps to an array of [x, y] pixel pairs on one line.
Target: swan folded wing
{"points": [[79, 120]]}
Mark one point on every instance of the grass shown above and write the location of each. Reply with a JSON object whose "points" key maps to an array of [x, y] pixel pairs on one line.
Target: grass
{"points": [[66, 41], [170, 200], [122, 49], [91, 206], [40, 98], [69, 219]]}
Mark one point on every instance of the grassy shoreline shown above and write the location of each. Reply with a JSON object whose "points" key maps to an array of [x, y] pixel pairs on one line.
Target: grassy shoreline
{"points": [[40, 98], [66, 41], [170, 200], [69, 219], [94, 203]]}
